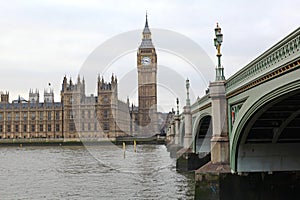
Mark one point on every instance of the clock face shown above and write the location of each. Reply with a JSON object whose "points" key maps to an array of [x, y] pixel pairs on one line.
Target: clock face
{"points": [[146, 61]]}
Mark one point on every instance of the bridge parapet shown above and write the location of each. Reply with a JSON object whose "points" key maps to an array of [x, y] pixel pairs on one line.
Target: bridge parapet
{"points": [[201, 102], [284, 51]]}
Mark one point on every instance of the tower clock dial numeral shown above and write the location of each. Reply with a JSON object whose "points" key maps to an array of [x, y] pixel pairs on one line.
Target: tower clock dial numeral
{"points": [[146, 61]]}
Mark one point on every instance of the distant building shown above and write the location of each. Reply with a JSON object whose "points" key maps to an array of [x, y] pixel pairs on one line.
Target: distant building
{"points": [[78, 115]]}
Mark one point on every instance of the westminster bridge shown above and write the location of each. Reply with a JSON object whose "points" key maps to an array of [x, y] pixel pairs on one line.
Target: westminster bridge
{"points": [[248, 123]]}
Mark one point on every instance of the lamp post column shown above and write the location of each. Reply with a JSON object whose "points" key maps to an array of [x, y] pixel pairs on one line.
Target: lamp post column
{"points": [[217, 92]]}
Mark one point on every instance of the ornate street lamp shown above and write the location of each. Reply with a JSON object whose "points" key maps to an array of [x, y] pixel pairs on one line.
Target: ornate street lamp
{"points": [[187, 85], [217, 42], [177, 102]]}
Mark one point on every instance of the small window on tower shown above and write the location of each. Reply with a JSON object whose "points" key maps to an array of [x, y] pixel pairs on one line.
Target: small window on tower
{"points": [[32, 128], [105, 113], [56, 127], [8, 116], [17, 128], [41, 116], [8, 128], [57, 115], [105, 126], [32, 116], [41, 128]]}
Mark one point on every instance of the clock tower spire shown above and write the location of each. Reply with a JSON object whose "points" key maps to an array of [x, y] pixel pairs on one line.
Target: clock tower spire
{"points": [[147, 88], [146, 39]]}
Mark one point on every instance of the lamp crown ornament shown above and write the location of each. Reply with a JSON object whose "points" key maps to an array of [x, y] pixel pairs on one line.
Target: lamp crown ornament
{"points": [[177, 102], [217, 42], [187, 84]]}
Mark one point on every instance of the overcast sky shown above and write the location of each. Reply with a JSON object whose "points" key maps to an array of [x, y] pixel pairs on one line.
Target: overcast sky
{"points": [[43, 40]]}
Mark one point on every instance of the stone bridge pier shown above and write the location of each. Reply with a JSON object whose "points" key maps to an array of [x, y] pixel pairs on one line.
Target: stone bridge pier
{"points": [[219, 141]]}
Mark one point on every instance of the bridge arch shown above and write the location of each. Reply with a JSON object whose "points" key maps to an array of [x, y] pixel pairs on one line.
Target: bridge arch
{"points": [[202, 133], [266, 137]]}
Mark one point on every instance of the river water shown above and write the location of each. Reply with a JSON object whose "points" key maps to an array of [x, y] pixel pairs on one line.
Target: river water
{"points": [[96, 172]]}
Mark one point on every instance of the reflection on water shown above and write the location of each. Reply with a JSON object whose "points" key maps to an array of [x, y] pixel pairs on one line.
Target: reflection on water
{"points": [[93, 173]]}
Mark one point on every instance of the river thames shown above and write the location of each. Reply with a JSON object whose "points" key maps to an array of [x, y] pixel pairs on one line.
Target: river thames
{"points": [[97, 172]]}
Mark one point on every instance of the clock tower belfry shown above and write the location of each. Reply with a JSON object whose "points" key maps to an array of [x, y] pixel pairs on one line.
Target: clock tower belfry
{"points": [[147, 88]]}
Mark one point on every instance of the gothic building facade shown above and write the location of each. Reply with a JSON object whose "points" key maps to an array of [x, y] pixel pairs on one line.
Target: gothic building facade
{"points": [[77, 115], [81, 116]]}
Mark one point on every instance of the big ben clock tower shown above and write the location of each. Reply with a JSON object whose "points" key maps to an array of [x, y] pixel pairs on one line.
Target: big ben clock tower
{"points": [[147, 89]]}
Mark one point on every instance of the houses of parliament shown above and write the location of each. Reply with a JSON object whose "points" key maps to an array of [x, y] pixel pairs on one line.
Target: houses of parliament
{"points": [[80, 116]]}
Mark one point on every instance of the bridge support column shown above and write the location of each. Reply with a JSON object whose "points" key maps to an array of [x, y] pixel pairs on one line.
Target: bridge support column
{"points": [[169, 136], [188, 139], [219, 141], [172, 131], [177, 126]]}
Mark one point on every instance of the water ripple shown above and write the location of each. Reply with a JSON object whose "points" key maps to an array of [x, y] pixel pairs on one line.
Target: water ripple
{"points": [[74, 173]]}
